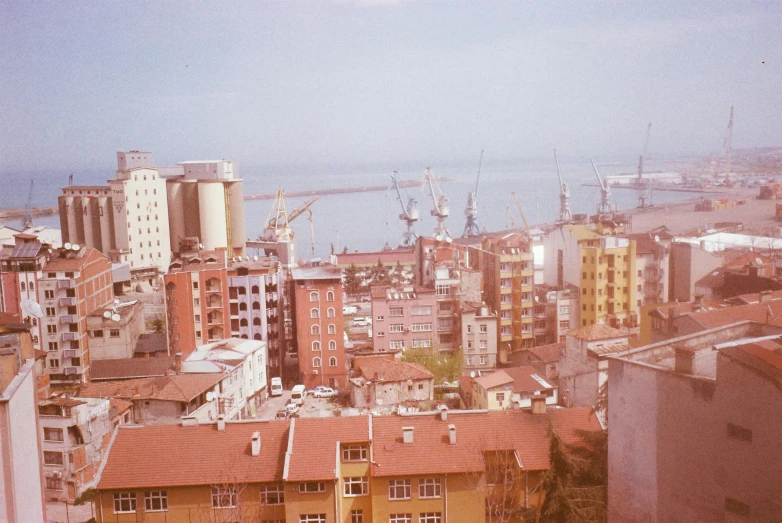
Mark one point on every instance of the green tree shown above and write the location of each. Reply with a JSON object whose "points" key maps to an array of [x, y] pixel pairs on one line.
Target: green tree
{"points": [[352, 280], [445, 367]]}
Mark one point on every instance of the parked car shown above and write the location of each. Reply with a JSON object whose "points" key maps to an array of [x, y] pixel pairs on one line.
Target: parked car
{"points": [[361, 321], [323, 392], [291, 408], [281, 414]]}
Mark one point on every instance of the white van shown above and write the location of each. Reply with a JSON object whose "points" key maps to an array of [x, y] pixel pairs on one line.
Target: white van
{"points": [[276, 387], [349, 309], [297, 394]]}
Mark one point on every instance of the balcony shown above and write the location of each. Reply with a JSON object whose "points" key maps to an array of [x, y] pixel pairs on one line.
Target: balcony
{"points": [[72, 371], [72, 336], [67, 302], [69, 353], [70, 318], [66, 284]]}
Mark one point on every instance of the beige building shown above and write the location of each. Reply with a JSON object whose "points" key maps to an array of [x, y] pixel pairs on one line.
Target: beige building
{"points": [[21, 468], [479, 338], [384, 381], [697, 435], [115, 330], [511, 388]]}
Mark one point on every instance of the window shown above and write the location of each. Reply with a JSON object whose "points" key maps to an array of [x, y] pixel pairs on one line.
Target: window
{"points": [[314, 313], [483, 344], [500, 396], [739, 433], [331, 313], [312, 486], [396, 327], [356, 516], [196, 302], [312, 518], [53, 484], [443, 289], [97, 333], [332, 328], [380, 317], [54, 363], [422, 344], [430, 517], [483, 328], [224, 497], [314, 296], [397, 344], [332, 361], [332, 345], [197, 318], [51, 329], [396, 311], [316, 345], [272, 495], [316, 362], [429, 488], [114, 333], [53, 346], [50, 434], [21, 286], [421, 311], [399, 489], [356, 486], [315, 329], [400, 518], [156, 501], [469, 329], [51, 311], [354, 453], [736, 507], [49, 295], [124, 502], [52, 458], [330, 296]]}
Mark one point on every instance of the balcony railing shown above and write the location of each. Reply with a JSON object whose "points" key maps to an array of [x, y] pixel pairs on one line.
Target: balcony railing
{"points": [[67, 302], [69, 318], [66, 284], [69, 353], [72, 336]]}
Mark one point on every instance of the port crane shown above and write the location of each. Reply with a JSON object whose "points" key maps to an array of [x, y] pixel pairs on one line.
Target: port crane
{"points": [[471, 211], [278, 223], [409, 213], [604, 209], [727, 148], [27, 219], [441, 209], [565, 215], [643, 155], [523, 218], [510, 216]]}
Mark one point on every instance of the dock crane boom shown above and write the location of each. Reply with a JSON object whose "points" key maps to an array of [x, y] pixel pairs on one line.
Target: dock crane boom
{"points": [[564, 196], [409, 213], [643, 154], [278, 223], [471, 211], [441, 209], [727, 147], [604, 209], [523, 218], [27, 220]]}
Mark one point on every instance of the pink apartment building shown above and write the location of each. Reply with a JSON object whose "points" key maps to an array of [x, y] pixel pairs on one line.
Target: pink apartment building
{"points": [[403, 318]]}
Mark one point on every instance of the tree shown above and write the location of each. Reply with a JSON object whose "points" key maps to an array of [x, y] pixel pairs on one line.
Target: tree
{"points": [[445, 367], [352, 280]]}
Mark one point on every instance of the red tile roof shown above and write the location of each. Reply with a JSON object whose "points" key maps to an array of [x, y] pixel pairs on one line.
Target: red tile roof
{"points": [[548, 353], [180, 387], [173, 455], [597, 331], [390, 370], [758, 312], [523, 380], [495, 379], [314, 450]]}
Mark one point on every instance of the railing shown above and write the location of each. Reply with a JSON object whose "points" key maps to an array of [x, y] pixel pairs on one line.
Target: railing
{"points": [[72, 336], [66, 284], [67, 302]]}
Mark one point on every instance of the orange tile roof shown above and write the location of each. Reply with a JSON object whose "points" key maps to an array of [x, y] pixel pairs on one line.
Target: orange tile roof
{"points": [[314, 450], [523, 380], [756, 312], [390, 370], [179, 387], [597, 331], [173, 455], [495, 379], [431, 452], [548, 353]]}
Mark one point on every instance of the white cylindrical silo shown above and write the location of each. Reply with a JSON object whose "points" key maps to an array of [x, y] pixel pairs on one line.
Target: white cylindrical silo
{"points": [[236, 210], [106, 213], [176, 213], [211, 203]]}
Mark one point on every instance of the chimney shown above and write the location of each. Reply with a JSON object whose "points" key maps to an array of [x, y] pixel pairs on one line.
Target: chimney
{"points": [[452, 434], [444, 415], [698, 303], [221, 423], [256, 443], [765, 296], [683, 360], [538, 403], [178, 362], [407, 435]]}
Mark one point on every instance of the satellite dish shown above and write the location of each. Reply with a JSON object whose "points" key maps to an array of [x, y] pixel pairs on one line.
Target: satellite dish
{"points": [[200, 245], [657, 238], [31, 308], [758, 261], [210, 396], [448, 239], [107, 314], [115, 317], [438, 237], [472, 373], [247, 258], [75, 247], [67, 246], [255, 258], [116, 301]]}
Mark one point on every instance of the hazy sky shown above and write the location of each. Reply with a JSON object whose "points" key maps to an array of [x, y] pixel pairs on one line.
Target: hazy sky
{"points": [[381, 81]]}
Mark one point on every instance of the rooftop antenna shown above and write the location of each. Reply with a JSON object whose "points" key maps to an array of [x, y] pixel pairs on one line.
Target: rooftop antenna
{"points": [[564, 196], [471, 211], [604, 209], [70, 179], [441, 210], [409, 213]]}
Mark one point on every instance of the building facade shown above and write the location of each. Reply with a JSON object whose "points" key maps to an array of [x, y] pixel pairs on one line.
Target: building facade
{"points": [[479, 338], [403, 318], [115, 330]]}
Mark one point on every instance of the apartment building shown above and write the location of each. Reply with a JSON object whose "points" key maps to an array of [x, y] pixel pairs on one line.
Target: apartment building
{"points": [[126, 220], [403, 318], [73, 284], [653, 253], [115, 330], [425, 468], [76, 434], [21, 468], [602, 267], [383, 381], [479, 338], [319, 325], [511, 388], [697, 437], [506, 262]]}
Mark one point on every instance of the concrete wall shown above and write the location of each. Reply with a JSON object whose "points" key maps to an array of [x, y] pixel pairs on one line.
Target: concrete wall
{"points": [[688, 265]]}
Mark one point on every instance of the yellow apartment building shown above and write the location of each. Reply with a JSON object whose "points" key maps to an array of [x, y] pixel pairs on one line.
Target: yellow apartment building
{"points": [[427, 468], [602, 265]]}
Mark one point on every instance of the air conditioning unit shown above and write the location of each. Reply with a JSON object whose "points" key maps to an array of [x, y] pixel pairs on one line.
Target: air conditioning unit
{"points": [[57, 475], [315, 372]]}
